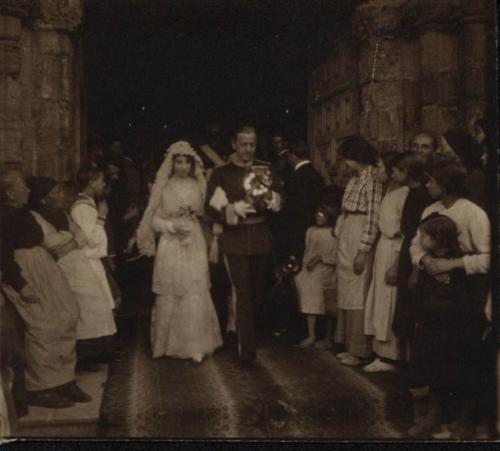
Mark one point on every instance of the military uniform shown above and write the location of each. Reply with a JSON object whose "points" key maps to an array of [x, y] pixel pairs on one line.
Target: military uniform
{"points": [[245, 244]]}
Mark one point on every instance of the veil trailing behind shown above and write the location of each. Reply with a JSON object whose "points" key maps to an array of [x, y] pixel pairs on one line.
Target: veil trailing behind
{"points": [[145, 232], [183, 322]]}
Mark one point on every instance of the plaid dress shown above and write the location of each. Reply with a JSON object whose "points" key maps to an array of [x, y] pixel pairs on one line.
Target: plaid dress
{"points": [[356, 230]]}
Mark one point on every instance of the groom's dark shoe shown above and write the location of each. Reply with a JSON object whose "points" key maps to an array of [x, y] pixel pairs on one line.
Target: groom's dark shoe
{"points": [[247, 359], [231, 340]]}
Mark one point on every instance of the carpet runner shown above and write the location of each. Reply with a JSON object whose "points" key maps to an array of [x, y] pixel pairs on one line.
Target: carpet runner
{"points": [[292, 393]]}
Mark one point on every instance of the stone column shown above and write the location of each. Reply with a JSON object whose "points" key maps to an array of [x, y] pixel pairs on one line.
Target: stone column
{"points": [[377, 25], [437, 25], [410, 75], [55, 90], [12, 13], [477, 20]]}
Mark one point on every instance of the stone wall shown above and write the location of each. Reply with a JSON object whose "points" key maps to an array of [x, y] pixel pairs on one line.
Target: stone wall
{"points": [[39, 86], [422, 64]]}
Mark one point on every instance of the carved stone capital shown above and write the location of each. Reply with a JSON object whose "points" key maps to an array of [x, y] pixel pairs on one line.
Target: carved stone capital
{"points": [[377, 19], [433, 15], [10, 49], [59, 15]]}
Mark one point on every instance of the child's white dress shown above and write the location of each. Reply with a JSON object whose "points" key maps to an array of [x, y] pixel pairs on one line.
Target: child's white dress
{"points": [[313, 285]]}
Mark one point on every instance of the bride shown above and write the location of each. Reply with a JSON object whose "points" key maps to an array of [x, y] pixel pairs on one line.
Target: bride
{"points": [[183, 323]]}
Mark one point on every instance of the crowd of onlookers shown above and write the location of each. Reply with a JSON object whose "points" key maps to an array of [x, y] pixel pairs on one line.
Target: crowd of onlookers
{"points": [[387, 265], [62, 284], [402, 252]]}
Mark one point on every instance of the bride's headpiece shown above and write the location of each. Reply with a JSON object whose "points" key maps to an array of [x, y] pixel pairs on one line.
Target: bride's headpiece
{"points": [[145, 233]]}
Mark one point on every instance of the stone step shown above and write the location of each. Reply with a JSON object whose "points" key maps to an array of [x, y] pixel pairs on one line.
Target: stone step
{"points": [[80, 420]]}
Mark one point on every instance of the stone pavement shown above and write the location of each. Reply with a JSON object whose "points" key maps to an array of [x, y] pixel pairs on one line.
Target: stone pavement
{"points": [[292, 393]]}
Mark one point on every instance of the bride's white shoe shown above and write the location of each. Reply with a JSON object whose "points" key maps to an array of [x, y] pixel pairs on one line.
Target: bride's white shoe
{"points": [[197, 358]]}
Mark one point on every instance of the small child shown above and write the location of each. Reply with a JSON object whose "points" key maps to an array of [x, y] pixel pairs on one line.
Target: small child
{"points": [[316, 281], [443, 311]]}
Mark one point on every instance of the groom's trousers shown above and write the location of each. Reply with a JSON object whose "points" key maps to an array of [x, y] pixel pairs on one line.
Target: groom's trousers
{"points": [[247, 274]]}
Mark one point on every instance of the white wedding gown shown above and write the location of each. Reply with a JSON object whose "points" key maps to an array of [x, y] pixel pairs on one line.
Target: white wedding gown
{"points": [[184, 323]]}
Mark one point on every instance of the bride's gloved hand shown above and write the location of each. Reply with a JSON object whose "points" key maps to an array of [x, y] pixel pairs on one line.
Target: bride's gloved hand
{"points": [[170, 227], [182, 229]]}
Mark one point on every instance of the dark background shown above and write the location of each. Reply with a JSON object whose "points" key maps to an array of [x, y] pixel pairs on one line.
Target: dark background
{"points": [[159, 69]]}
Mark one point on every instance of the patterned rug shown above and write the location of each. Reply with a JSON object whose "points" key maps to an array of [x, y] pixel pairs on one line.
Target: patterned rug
{"points": [[292, 393]]}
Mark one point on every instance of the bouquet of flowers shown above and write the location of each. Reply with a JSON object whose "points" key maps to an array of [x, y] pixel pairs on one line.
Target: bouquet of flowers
{"points": [[287, 270], [257, 184], [187, 213], [183, 223]]}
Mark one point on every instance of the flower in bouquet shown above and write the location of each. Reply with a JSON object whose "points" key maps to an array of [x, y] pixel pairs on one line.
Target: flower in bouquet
{"points": [[288, 269], [257, 184], [184, 223], [187, 213]]}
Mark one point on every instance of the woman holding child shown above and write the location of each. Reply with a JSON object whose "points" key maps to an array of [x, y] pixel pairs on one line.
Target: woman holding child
{"points": [[434, 361]]}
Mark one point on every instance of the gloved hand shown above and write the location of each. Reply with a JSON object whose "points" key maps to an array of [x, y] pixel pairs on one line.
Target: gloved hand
{"points": [[243, 208], [169, 226], [219, 199], [274, 204]]}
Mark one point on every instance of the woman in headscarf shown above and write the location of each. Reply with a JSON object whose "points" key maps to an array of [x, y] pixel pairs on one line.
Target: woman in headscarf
{"points": [[42, 297], [184, 322], [465, 148], [64, 239]]}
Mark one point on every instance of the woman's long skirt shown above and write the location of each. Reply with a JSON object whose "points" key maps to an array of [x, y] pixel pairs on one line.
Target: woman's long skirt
{"points": [[184, 326], [50, 322], [96, 315], [352, 288], [381, 302]]}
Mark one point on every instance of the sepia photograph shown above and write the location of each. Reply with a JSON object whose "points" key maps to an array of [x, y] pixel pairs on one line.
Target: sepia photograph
{"points": [[249, 220]]}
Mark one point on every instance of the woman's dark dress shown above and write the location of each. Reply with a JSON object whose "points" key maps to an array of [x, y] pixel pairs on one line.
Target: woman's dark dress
{"points": [[50, 321], [416, 202], [442, 313]]}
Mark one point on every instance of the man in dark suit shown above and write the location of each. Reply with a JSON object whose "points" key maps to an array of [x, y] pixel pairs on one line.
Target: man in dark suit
{"points": [[304, 191], [280, 156], [235, 200], [284, 171]]}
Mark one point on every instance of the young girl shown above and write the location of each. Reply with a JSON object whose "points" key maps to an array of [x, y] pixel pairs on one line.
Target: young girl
{"points": [[442, 313], [447, 183], [316, 282], [381, 298], [356, 231]]}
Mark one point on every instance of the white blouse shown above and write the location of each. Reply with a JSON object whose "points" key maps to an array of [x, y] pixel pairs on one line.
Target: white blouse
{"points": [[85, 215], [473, 234]]}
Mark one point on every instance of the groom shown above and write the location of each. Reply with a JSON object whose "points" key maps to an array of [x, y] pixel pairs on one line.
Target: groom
{"points": [[240, 195]]}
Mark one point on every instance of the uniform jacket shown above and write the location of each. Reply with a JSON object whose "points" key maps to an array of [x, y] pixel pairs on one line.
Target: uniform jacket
{"points": [[240, 239]]}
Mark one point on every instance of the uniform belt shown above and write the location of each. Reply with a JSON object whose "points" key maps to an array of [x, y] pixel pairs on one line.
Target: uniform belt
{"points": [[252, 220], [354, 212]]}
